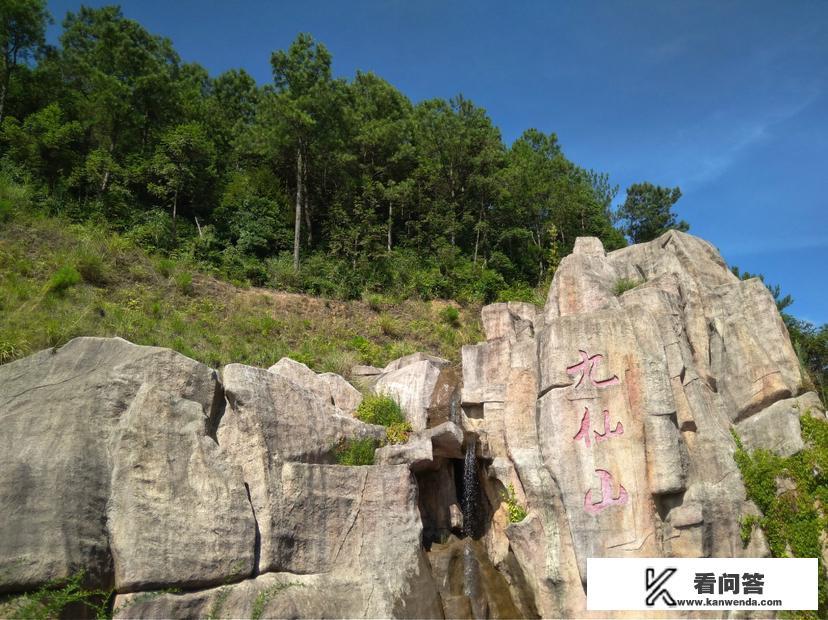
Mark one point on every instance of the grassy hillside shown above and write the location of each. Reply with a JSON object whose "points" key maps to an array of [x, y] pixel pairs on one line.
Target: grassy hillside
{"points": [[60, 280]]}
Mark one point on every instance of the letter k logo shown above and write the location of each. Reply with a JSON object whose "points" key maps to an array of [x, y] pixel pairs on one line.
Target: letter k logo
{"points": [[656, 589]]}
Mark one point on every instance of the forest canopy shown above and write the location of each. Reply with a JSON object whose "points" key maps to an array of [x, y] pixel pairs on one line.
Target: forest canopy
{"points": [[311, 182]]}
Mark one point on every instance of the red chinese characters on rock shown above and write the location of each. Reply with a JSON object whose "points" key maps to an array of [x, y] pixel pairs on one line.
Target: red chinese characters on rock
{"points": [[586, 367], [607, 499], [583, 432]]}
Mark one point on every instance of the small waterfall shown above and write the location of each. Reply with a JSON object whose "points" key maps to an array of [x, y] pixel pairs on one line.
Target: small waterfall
{"points": [[453, 417], [471, 492]]}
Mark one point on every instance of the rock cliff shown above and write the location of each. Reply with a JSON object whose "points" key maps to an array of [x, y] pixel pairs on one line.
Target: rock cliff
{"points": [[608, 415]]}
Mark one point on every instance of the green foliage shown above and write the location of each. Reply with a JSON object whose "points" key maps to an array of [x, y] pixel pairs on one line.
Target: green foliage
{"points": [[184, 282], [398, 432], [451, 316], [647, 212], [91, 268], [622, 285], [59, 598], [747, 525], [356, 452], [793, 521], [215, 323], [379, 409], [63, 279], [517, 512], [166, 267], [372, 193]]}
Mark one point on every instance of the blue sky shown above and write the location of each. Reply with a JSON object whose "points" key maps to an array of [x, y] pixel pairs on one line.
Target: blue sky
{"points": [[728, 100]]}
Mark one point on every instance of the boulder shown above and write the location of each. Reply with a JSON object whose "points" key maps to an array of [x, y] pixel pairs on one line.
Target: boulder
{"points": [[329, 387], [270, 420], [411, 385], [95, 434], [775, 428]]}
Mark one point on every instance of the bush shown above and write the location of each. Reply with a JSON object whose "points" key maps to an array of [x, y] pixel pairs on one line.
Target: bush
{"points": [[450, 315], [622, 285], [184, 282], [375, 301], [794, 521], [63, 279], [356, 452], [59, 598], [517, 513], [166, 267], [6, 210], [398, 432], [91, 268], [520, 292], [380, 409]]}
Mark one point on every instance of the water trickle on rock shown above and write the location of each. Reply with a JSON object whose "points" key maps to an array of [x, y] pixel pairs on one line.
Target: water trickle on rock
{"points": [[471, 492]]}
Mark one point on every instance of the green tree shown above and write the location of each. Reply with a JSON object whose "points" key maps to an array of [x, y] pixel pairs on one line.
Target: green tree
{"points": [[120, 81], [303, 92], [44, 143], [647, 212], [182, 167], [22, 35]]}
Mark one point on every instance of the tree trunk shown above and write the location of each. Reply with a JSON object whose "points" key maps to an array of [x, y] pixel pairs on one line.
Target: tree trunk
{"points": [[477, 236], [297, 225], [3, 89], [306, 206], [175, 222], [390, 215]]}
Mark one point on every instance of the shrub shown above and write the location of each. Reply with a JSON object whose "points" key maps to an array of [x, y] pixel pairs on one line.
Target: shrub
{"points": [[57, 599], [6, 210], [356, 452], [622, 285], [520, 292], [388, 325], [517, 513], [375, 301], [184, 282], [398, 432], [450, 315], [63, 279], [793, 522], [380, 409], [91, 268], [166, 267]]}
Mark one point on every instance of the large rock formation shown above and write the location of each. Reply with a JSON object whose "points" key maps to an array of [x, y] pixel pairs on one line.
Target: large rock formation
{"points": [[607, 414]]}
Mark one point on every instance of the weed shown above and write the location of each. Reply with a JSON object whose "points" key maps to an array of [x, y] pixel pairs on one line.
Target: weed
{"points": [[622, 285], [91, 268], [398, 432], [165, 267], [58, 598], [375, 301], [451, 316], [184, 282], [63, 279], [356, 452], [793, 521], [380, 409], [517, 513]]}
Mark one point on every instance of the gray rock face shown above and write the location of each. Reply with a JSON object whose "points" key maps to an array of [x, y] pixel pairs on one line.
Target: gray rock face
{"points": [[607, 406], [329, 387], [106, 465], [412, 384], [607, 415]]}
